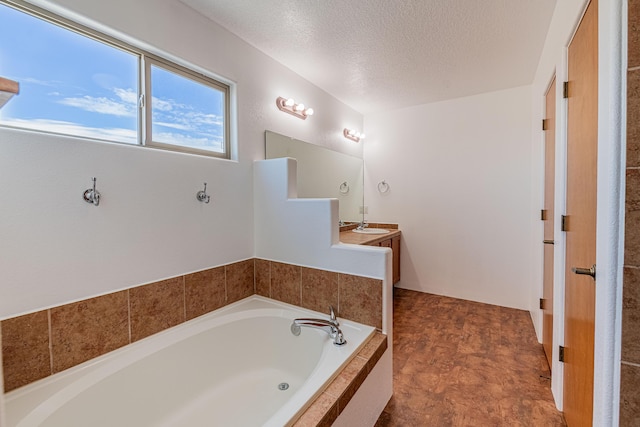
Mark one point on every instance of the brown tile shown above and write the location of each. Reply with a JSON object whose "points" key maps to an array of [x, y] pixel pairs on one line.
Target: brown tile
{"points": [[632, 218], [631, 315], [204, 292], [286, 282], [633, 59], [83, 330], [633, 118], [411, 403], [361, 365], [632, 196], [25, 349], [374, 349], [240, 280], [319, 289], [479, 412], [345, 385], [429, 376], [439, 381], [156, 307], [361, 299], [263, 277], [322, 412], [629, 395], [632, 238], [478, 339]]}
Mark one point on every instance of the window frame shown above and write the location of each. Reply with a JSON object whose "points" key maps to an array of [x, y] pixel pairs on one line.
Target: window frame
{"points": [[145, 60], [148, 61]]}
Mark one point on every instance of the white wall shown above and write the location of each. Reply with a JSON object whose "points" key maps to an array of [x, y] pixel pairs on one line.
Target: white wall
{"points": [[460, 188], [56, 248], [305, 232]]}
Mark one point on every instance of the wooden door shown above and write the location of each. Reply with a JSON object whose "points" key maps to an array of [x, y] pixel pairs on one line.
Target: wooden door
{"points": [[548, 217], [582, 143]]}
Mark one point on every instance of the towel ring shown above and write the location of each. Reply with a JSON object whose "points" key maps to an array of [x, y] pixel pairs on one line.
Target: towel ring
{"points": [[383, 186], [344, 188]]}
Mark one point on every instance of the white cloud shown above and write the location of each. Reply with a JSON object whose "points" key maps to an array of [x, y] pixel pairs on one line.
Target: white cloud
{"points": [[37, 81], [162, 105], [100, 105], [126, 95]]}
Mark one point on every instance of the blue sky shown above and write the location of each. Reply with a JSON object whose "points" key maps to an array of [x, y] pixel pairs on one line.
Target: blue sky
{"points": [[74, 85]]}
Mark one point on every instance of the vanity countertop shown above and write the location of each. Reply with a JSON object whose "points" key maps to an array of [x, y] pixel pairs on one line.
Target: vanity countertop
{"points": [[348, 236]]}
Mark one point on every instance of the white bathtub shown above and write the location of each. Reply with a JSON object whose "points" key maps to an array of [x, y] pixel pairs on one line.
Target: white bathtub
{"points": [[221, 369]]}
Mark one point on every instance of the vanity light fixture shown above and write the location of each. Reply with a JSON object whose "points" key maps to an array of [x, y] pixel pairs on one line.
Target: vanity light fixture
{"points": [[353, 135], [288, 105]]}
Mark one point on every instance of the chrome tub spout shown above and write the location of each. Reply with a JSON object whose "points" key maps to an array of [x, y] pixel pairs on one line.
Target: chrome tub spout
{"points": [[329, 326]]}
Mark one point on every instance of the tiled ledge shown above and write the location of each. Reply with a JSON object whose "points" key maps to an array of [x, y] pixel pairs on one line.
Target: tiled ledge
{"points": [[330, 404]]}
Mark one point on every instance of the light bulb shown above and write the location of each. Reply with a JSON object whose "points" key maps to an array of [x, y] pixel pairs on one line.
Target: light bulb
{"points": [[299, 107], [289, 102], [309, 112], [351, 132]]}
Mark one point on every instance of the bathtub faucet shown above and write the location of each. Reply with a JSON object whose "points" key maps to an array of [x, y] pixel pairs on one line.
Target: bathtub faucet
{"points": [[329, 326]]}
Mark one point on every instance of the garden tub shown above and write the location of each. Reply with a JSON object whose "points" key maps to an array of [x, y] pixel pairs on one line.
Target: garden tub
{"points": [[237, 366]]}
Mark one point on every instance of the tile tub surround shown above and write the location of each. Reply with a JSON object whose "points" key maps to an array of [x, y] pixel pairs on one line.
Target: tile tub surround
{"points": [[630, 352], [330, 404], [354, 297], [43, 343]]}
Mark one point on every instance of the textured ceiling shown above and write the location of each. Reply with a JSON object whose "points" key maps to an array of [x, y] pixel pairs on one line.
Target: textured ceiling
{"points": [[377, 55]]}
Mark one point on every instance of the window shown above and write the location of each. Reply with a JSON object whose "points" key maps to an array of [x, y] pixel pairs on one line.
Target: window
{"points": [[74, 81], [186, 110]]}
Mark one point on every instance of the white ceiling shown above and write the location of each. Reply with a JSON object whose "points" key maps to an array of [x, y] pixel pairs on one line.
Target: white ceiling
{"points": [[377, 55]]}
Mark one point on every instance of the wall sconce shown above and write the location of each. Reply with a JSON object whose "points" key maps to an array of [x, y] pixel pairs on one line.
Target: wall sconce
{"points": [[353, 135], [288, 105]]}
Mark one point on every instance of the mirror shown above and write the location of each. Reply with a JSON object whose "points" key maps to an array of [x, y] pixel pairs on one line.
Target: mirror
{"points": [[323, 173]]}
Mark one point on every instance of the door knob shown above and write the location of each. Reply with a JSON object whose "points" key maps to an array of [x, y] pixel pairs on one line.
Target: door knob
{"points": [[586, 271]]}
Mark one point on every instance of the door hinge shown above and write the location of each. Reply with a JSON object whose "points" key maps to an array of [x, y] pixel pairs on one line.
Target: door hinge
{"points": [[561, 354], [544, 124], [543, 214], [564, 225], [541, 303], [565, 89]]}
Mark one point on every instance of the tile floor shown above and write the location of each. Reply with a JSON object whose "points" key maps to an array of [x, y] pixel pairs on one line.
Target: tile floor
{"points": [[462, 363]]}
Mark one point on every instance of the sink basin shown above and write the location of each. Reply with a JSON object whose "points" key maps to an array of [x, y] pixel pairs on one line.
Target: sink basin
{"points": [[372, 231]]}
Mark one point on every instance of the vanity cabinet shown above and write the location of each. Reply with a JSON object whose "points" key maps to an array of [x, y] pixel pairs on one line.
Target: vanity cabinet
{"points": [[391, 240], [394, 244]]}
